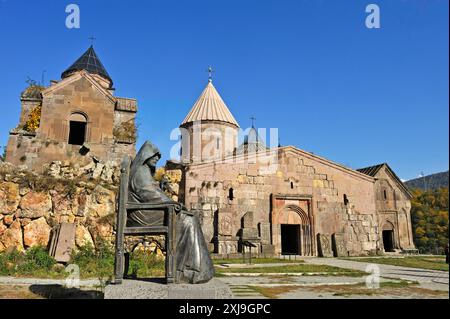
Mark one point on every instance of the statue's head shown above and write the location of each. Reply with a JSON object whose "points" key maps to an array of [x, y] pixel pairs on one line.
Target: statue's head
{"points": [[148, 155], [152, 161]]}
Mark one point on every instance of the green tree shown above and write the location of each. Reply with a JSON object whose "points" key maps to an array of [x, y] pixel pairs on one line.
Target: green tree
{"points": [[429, 215]]}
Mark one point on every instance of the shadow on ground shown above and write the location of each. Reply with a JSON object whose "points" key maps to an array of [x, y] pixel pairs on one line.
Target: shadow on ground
{"points": [[61, 292]]}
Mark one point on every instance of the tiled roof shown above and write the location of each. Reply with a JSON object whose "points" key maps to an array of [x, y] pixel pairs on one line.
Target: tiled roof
{"points": [[90, 62], [371, 170], [210, 106]]}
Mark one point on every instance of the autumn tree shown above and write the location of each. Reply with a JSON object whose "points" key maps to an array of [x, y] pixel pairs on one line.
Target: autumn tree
{"points": [[429, 214]]}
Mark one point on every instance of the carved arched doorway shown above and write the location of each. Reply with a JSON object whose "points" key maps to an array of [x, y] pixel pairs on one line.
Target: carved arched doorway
{"points": [[388, 233], [295, 231]]}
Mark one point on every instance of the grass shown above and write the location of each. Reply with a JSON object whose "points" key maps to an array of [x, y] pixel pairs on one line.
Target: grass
{"points": [[274, 292], [324, 270], [256, 261], [396, 288], [400, 288], [92, 262], [423, 262], [34, 263]]}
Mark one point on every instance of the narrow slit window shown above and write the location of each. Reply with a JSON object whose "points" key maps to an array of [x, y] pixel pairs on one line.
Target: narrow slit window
{"points": [[231, 194], [345, 199], [292, 185]]}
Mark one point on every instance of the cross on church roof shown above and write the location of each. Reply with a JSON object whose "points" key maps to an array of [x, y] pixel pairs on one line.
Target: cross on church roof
{"points": [[92, 39], [210, 72], [253, 119]]}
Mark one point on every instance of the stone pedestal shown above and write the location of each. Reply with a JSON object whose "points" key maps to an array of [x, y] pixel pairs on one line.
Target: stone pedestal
{"points": [[226, 244], [157, 289]]}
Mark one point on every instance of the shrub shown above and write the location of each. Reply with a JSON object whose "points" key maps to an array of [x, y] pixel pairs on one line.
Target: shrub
{"points": [[95, 262], [36, 258], [34, 120], [125, 131], [145, 264], [36, 261]]}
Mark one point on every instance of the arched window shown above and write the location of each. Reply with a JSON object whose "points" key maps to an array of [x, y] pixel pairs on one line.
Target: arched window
{"points": [[385, 194], [292, 185], [231, 193], [77, 129]]}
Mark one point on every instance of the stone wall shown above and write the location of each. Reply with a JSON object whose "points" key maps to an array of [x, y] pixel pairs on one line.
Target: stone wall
{"points": [[334, 199], [31, 205]]}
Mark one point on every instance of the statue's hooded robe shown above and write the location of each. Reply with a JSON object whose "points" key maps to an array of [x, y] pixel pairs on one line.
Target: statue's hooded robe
{"points": [[193, 262]]}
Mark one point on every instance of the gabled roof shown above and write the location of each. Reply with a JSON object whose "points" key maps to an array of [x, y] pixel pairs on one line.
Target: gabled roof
{"points": [[210, 107], [89, 62], [75, 77], [373, 171]]}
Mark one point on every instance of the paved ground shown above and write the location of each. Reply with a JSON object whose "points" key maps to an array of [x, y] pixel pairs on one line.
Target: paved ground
{"points": [[242, 286], [430, 279], [432, 284]]}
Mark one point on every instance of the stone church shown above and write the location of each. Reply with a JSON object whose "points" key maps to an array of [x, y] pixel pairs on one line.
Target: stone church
{"points": [[74, 119], [283, 200], [276, 200]]}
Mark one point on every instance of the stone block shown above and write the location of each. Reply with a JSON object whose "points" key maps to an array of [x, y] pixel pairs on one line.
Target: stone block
{"points": [[157, 289], [63, 241], [249, 233], [225, 223], [9, 198], [264, 232], [339, 245], [36, 233], [247, 220], [267, 249], [324, 245]]}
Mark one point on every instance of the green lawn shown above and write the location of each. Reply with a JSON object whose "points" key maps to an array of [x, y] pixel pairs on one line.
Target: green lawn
{"points": [[256, 261], [322, 270], [424, 262]]}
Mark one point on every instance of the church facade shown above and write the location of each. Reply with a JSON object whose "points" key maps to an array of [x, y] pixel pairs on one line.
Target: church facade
{"points": [[283, 200], [274, 200], [75, 119]]}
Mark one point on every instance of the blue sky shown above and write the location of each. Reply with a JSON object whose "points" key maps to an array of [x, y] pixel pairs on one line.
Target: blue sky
{"points": [[312, 69]]}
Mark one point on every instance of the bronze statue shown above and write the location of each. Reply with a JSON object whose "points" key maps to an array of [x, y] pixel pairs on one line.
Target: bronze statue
{"points": [[193, 262]]}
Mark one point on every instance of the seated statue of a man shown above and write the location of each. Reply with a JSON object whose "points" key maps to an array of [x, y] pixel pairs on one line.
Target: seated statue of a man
{"points": [[193, 262]]}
